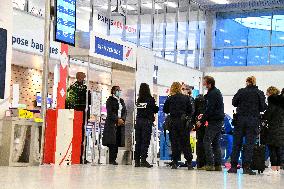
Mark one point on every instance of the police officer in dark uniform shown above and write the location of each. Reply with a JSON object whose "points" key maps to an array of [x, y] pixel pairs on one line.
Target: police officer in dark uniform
{"points": [[250, 102], [146, 109], [199, 105], [179, 107]]}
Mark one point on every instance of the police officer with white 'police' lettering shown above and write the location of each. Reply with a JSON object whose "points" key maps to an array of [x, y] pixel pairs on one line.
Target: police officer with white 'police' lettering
{"points": [[146, 109]]}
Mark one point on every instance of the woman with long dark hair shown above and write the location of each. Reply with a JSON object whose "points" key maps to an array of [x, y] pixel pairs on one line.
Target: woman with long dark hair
{"points": [[116, 116], [146, 108]]}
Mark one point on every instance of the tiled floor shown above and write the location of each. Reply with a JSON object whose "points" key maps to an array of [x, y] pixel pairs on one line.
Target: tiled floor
{"points": [[125, 177]]}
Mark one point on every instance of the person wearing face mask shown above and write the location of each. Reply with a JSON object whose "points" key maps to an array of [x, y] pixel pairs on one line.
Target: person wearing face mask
{"points": [[250, 102], [115, 120], [77, 99]]}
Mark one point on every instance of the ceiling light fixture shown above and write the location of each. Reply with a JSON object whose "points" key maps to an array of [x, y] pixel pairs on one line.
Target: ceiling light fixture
{"points": [[171, 4], [220, 1]]}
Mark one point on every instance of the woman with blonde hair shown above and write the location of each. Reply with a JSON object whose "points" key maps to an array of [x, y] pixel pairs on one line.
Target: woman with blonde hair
{"points": [[275, 132], [178, 106]]}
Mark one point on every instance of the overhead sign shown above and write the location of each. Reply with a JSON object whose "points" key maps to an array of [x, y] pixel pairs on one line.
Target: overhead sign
{"points": [[108, 48], [65, 24], [116, 23]]}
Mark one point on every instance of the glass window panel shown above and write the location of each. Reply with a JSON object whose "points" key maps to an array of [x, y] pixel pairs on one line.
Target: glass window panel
{"points": [[181, 42], [190, 58], [170, 36], [257, 56], [117, 26], [230, 57], [277, 28], [131, 32], [253, 29], [277, 55], [158, 33], [145, 34]]}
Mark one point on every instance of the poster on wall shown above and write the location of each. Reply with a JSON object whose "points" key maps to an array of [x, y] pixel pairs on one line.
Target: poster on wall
{"points": [[3, 53], [96, 103]]}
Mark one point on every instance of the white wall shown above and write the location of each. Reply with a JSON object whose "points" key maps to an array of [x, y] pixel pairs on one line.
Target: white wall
{"points": [[145, 68], [230, 82], [169, 72]]}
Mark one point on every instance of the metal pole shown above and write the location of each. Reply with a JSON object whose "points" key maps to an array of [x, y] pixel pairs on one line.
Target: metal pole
{"points": [[45, 73], [86, 111]]}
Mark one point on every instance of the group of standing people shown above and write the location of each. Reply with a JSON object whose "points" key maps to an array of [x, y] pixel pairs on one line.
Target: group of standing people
{"points": [[205, 115]]}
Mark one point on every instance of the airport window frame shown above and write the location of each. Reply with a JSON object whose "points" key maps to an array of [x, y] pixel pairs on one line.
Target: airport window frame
{"points": [[270, 46]]}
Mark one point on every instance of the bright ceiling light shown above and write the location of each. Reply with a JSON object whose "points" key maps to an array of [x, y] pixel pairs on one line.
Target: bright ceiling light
{"points": [[86, 9], [220, 1], [128, 7], [171, 4]]}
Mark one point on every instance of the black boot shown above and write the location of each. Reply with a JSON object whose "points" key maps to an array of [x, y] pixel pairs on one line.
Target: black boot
{"points": [[144, 163], [189, 166], [234, 168], [247, 170], [174, 165], [137, 163]]}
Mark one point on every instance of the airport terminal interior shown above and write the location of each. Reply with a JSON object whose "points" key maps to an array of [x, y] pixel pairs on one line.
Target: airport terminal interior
{"points": [[132, 94]]}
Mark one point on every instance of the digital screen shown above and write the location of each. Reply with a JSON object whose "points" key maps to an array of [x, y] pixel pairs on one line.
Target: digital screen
{"points": [[65, 24]]}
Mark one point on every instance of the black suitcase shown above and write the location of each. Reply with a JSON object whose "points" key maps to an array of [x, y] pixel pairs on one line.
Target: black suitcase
{"points": [[258, 160]]}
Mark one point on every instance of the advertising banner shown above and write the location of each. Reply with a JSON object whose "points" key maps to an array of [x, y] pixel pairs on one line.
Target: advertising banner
{"points": [[113, 50]]}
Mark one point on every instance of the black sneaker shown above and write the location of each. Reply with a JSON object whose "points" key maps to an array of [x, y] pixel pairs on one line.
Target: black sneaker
{"points": [[248, 171], [137, 163], [233, 170], [113, 163], [146, 164], [174, 166]]}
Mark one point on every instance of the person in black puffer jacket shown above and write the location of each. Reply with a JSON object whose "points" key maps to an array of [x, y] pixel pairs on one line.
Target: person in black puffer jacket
{"points": [[179, 107], [275, 132], [250, 102]]}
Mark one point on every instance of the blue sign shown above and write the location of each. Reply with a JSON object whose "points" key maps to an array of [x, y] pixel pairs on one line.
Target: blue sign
{"points": [[65, 25], [108, 49]]}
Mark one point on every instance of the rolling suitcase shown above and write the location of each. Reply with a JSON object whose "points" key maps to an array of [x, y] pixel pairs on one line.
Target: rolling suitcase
{"points": [[258, 159]]}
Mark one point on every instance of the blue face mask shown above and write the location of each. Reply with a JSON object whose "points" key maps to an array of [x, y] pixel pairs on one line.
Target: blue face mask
{"points": [[118, 94]]}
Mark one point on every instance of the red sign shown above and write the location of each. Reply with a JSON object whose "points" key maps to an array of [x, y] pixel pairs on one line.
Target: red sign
{"points": [[61, 90]]}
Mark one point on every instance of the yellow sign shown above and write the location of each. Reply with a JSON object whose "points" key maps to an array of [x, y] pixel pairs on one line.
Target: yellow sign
{"points": [[29, 115], [38, 120], [193, 143], [22, 113], [25, 114]]}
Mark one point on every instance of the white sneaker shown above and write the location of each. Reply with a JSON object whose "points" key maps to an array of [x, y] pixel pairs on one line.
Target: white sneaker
{"points": [[270, 172]]}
